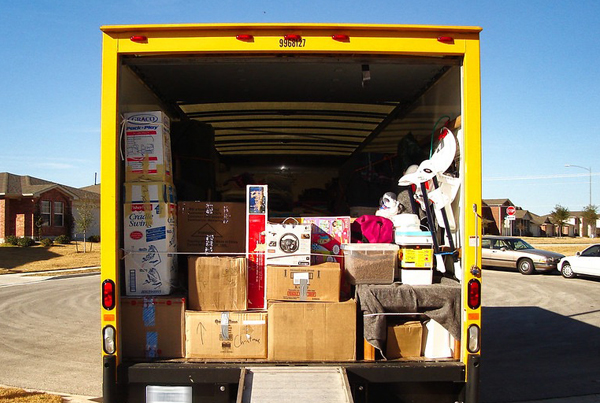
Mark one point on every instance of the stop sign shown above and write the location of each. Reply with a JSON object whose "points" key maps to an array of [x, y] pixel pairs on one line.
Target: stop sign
{"points": [[511, 210]]}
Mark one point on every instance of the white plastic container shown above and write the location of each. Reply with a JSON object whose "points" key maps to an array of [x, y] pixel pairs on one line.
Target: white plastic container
{"points": [[416, 256], [438, 341], [370, 263]]}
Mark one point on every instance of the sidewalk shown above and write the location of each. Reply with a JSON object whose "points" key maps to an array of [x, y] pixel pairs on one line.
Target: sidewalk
{"points": [[9, 280]]}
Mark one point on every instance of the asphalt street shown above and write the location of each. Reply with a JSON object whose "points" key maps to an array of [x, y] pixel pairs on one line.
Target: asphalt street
{"points": [[541, 337]]}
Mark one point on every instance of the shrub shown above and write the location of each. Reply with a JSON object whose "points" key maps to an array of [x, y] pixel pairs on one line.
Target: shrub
{"points": [[62, 239], [46, 242], [11, 240], [25, 242], [94, 238]]}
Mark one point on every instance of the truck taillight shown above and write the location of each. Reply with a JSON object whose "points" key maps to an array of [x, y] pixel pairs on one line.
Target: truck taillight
{"points": [[474, 339], [108, 335], [474, 294], [108, 294]]}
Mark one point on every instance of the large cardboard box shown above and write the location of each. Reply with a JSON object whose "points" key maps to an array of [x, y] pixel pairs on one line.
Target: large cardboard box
{"points": [[404, 340], [226, 335], [313, 283], [153, 327], [312, 331], [213, 227], [147, 147], [217, 283], [150, 244]]}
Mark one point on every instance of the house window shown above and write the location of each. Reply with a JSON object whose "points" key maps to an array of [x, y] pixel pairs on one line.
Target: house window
{"points": [[45, 213], [59, 214]]}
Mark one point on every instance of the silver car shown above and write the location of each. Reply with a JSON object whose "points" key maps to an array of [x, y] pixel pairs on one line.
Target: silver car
{"points": [[506, 251]]}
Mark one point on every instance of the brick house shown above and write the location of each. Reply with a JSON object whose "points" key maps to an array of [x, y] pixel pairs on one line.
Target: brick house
{"points": [[25, 201]]}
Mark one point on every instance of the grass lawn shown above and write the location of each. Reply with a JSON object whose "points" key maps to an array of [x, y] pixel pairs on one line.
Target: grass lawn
{"points": [[14, 259], [14, 395]]}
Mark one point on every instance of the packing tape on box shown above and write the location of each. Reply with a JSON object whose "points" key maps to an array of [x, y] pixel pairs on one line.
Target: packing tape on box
{"points": [[149, 312], [302, 280], [151, 344], [224, 325]]}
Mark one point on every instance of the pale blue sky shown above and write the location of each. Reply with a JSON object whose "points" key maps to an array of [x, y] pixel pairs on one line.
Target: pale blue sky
{"points": [[540, 82]]}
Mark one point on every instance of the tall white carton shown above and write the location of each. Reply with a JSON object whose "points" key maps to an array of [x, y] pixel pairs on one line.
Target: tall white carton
{"points": [[150, 245], [147, 147]]}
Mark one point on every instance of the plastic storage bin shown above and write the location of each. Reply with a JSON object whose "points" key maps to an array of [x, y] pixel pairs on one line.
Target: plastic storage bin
{"points": [[370, 263]]}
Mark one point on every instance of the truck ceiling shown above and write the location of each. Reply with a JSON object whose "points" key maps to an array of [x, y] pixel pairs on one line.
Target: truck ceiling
{"points": [[283, 104]]}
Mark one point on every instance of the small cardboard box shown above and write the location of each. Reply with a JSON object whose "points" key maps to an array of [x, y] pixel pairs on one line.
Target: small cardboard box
{"points": [[312, 331], [328, 234], [147, 147], [313, 283], [150, 244], [217, 283], [404, 340], [214, 227], [152, 327], [226, 335]]}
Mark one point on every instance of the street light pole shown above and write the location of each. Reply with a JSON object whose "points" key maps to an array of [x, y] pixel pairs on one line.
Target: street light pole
{"points": [[590, 171]]}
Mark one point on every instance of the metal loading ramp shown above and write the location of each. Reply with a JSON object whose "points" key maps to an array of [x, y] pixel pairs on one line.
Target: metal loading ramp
{"points": [[294, 384]]}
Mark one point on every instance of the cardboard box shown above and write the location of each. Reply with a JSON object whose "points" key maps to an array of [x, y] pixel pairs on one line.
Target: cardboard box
{"points": [[147, 147], [217, 283], [226, 335], [312, 331], [153, 327], [150, 244], [213, 227], [149, 192], [288, 244], [404, 340], [313, 283], [327, 236]]}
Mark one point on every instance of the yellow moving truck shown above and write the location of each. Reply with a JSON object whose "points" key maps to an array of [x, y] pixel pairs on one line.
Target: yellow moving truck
{"points": [[331, 118]]}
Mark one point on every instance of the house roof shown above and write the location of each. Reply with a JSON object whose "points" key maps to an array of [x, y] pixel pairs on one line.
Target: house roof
{"points": [[19, 186], [498, 202]]}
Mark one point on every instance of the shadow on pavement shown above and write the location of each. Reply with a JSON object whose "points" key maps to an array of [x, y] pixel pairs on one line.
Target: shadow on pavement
{"points": [[529, 353]]}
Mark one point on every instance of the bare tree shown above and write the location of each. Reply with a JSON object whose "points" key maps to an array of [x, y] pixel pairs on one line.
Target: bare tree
{"points": [[86, 220]]}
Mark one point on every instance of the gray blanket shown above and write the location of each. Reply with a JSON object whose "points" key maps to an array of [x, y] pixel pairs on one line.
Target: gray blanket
{"points": [[440, 302]]}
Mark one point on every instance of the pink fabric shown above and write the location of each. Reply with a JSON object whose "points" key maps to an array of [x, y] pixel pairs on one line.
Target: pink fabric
{"points": [[374, 229]]}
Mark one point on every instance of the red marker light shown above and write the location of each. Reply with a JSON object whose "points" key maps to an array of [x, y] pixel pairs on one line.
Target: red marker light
{"points": [[108, 295], [446, 39], [139, 38], [245, 38], [293, 37], [474, 294], [341, 38]]}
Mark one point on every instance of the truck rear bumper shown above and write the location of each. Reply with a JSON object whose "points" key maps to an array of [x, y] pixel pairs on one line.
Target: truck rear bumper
{"points": [[369, 381]]}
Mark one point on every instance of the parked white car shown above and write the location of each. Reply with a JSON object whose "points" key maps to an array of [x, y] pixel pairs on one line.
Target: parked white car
{"points": [[586, 263]]}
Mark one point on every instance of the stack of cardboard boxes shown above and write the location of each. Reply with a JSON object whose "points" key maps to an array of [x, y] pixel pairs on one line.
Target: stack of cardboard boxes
{"points": [[255, 290]]}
